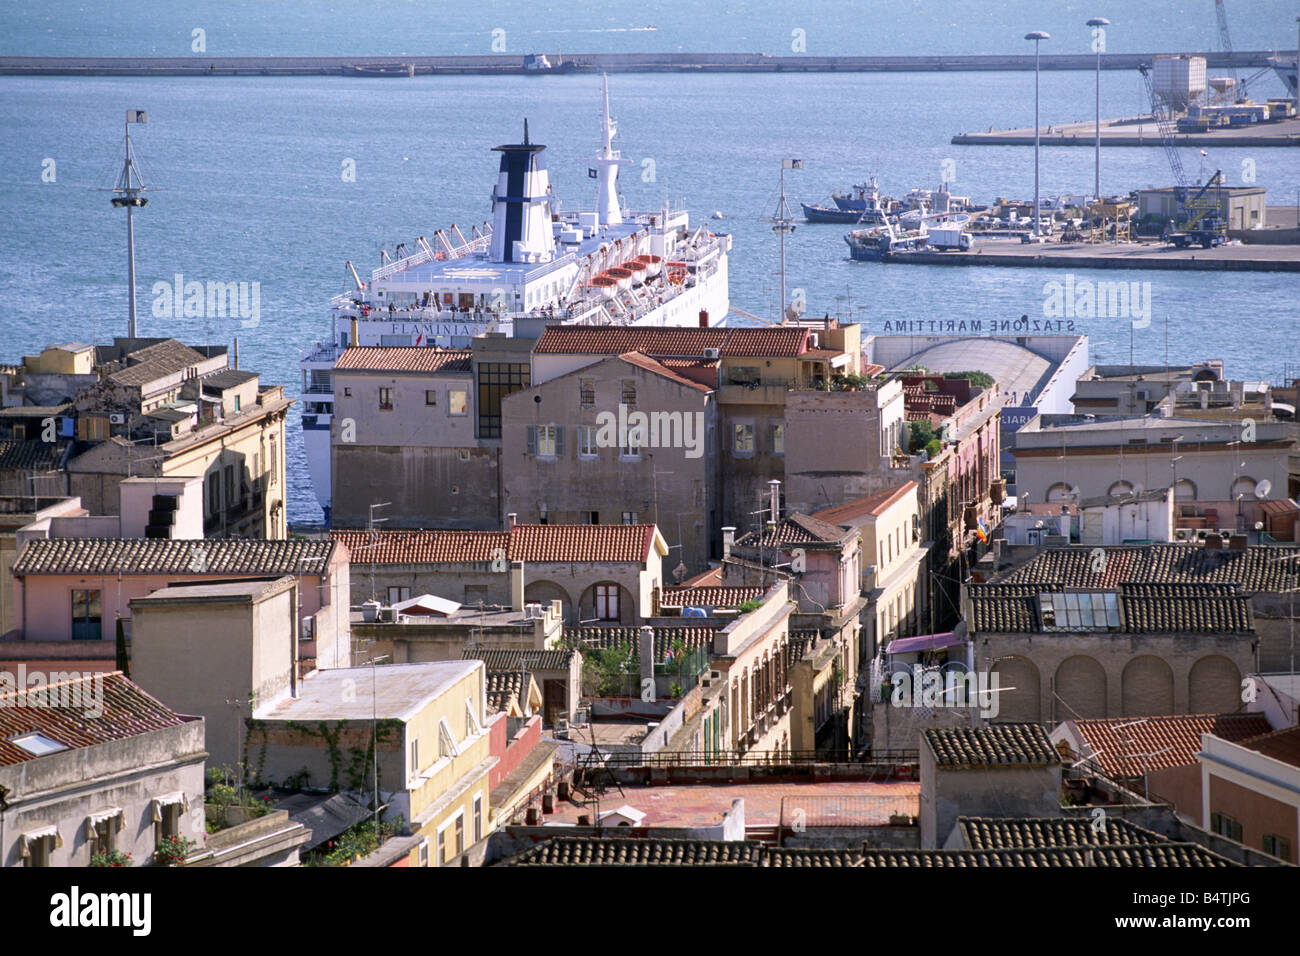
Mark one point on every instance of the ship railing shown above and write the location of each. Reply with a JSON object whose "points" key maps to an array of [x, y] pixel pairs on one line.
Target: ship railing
{"points": [[322, 353]]}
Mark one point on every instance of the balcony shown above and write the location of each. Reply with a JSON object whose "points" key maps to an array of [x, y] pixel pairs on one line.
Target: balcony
{"points": [[767, 393]]}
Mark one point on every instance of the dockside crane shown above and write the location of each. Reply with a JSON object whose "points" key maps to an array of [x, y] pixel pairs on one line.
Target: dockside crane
{"points": [[1198, 221], [1225, 41]]}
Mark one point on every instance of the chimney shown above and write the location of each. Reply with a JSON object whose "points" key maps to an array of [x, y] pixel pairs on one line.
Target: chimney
{"points": [[512, 519], [704, 318], [355, 339], [774, 487], [728, 539], [646, 646], [516, 585], [1205, 398]]}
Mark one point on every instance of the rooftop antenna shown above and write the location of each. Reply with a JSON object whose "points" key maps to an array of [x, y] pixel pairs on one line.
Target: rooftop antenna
{"points": [[128, 188], [783, 222]]}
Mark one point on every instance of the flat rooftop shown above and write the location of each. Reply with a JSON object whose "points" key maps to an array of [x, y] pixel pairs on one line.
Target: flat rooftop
{"points": [[703, 804], [388, 691]]}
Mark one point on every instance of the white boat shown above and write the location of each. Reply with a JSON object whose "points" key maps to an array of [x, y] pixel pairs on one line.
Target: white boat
{"points": [[532, 265]]}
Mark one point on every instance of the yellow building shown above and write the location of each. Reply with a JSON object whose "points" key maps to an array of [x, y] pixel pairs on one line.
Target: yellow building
{"points": [[434, 748]]}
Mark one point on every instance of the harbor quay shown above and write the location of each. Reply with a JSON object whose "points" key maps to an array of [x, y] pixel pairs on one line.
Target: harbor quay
{"points": [[1112, 255]]}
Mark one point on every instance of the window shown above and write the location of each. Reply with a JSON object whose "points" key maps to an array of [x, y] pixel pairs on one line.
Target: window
{"points": [[103, 835], [86, 616], [424, 853], [457, 401], [546, 441], [386, 398], [347, 392], [396, 594], [778, 439], [459, 827], [1277, 846], [20, 432], [496, 380], [430, 398], [744, 375], [591, 517], [629, 517], [169, 821], [415, 758], [214, 495], [440, 854], [587, 392], [37, 743], [92, 428], [446, 740], [231, 488], [631, 443], [743, 439], [478, 817], [238, 403], [629, 394], [1079, 611], [586, 441], [37, 848], [607, 602], [1226, 826], [273, 463]]}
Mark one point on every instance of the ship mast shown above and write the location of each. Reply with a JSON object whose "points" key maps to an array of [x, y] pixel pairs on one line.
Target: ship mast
{"points": [[128, 188], [783, 222], [607, 162]]}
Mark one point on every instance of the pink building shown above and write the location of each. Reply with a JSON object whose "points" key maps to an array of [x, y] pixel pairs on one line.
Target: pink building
{"points": [[76, 589]]}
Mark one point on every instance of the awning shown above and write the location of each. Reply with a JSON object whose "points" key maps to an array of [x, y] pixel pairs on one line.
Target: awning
{"points": [[169, 800], [100, 816], [41, 833], [925, 642]]}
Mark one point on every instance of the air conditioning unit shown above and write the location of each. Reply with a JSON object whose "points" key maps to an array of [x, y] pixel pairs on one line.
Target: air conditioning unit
{"points": [[387, 615], [534, 611], [117, 418], [712, 353]]}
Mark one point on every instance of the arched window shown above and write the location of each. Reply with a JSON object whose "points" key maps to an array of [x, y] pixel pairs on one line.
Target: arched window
{"points": [[1243, 486], [1059, 492], [1120, 488], [1185, 490]]}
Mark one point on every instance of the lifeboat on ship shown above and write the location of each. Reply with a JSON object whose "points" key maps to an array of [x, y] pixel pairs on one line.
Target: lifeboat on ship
{"points": [[638, 270], [604, 285], [622, 276], [653, 265]]}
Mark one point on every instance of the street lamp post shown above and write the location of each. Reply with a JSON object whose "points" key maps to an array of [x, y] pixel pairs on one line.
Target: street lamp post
{"points": [[1098, 24], [1036, 36]]}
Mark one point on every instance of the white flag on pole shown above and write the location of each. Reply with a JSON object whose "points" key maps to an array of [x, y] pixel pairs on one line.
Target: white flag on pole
{"points": [[137, 116], [792, 164]]}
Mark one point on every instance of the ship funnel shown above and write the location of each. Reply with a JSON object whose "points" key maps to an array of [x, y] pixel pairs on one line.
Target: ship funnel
{"points": [[521, 227]]}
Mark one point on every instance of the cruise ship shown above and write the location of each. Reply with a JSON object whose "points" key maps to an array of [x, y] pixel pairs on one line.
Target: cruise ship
{"points": [[532, 265]]}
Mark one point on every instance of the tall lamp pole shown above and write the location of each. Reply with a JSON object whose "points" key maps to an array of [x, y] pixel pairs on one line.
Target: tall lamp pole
{"points": [[1098, 25], [1036, 36]]}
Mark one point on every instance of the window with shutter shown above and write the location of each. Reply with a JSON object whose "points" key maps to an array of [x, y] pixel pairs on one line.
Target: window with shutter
{"points": [[532, 439]]}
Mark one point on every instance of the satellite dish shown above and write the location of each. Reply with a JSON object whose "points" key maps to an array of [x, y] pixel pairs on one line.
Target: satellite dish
{"points": [[1263, 488]]}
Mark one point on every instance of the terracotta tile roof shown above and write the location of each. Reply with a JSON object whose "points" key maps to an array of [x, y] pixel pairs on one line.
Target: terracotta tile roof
{"points": [[604, 638], [506, 659], [128, 712], [172, 556], [1153, 854], [1112, 737], [400, 546], [995, 745], [723, 597], [536, 543], [711, 577], [643, 361], [870, 506], [403, 358], [156, 361], [1257, 568], [774, 342], [31, 455], [1145, 609], [803, 856], [796, 529], [622, 543], [625, 851], [633, 851], [993, 833], [502, 686], [1283, 745]]}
